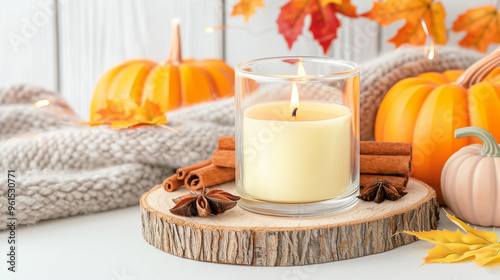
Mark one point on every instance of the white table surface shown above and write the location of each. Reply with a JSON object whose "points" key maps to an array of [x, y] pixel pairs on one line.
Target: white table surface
{"points": [[110, 246]]}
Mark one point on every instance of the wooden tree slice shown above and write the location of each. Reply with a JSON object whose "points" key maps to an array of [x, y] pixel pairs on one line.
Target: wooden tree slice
{"points": [[242, 237]]}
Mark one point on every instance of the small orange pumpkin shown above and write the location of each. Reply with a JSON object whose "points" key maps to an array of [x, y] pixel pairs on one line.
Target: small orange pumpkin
{"points": [[174, 83], [426, 110], [470, 181]]}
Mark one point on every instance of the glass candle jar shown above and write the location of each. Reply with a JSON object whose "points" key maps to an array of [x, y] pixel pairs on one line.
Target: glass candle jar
{"points": [[297, 135]]}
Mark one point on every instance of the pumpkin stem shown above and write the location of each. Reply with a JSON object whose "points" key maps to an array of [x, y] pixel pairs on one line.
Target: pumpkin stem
{"points": [[479, 70], [490, 145], [175, 43]]}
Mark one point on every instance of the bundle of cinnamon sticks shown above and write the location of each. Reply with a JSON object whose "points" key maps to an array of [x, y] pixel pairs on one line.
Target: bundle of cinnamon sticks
{"points": [[378, 160], [209, 172], [385, 161]]}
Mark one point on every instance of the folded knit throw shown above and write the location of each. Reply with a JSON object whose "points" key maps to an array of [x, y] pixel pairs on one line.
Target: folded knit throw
{"points": [[64, 170]]}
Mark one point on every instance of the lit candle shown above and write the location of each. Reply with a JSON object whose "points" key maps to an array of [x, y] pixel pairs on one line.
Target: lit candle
{"points": [[297, 151]]}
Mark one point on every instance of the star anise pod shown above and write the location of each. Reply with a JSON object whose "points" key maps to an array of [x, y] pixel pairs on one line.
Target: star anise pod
{"points": [[380, 190], [203, 204]]}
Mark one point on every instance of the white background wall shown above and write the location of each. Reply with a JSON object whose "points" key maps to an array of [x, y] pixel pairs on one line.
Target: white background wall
{"points": [[66, 45]]}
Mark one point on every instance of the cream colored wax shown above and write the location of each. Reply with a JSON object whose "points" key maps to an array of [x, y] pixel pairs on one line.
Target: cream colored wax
{"points": [[304, 159]]}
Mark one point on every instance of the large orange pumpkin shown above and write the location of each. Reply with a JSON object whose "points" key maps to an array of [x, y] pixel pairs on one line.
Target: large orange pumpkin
{"points": [[174, 83], [427, 109]]}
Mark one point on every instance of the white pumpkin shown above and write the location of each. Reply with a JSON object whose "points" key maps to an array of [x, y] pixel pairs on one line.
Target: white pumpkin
{"points": [[470, 181]]}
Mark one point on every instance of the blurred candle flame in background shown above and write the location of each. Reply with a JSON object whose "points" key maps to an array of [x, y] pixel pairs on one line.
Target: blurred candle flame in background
{"points": [[300, 69], [429, 43], [42, 103], [211, 29]]}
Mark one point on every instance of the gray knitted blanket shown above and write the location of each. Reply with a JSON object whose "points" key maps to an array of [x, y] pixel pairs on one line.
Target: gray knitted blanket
{"points": [[65, 170]]}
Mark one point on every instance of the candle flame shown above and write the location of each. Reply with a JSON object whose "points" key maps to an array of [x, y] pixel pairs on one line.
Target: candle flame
{"points": [[42, 103], [294, 99], [429, 44]]}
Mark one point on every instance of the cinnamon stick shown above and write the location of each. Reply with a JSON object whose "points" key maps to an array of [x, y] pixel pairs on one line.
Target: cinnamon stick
{"points": [[376, 157], [366, 147], [384, 164], [369, 164], [208, 176], [384, 148], [226, 143], [172, 183], [398, 181], [182, 172], [224, 158], [382, 160]]}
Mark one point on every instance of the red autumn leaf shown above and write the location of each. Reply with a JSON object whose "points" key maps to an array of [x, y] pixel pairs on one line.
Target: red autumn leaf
{"points": [[324, 24], [413, 12], [291, 20], [324, 21], [481, 25]]}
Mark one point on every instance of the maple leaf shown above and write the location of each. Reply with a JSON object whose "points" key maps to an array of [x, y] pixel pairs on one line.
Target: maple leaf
{"points": [[150, 113], [324, 21], [413, 12], [324, 24], [121, 114], [115, 110], [325, 2], [481, 25], [247, 8], [455, 246]]}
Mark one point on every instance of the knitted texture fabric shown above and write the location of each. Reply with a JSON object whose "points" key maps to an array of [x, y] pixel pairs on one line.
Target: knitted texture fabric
{"points": [[66, 169]]}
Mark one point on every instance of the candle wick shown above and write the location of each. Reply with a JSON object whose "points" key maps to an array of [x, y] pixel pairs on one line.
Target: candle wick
{"points": [[294, 113]]}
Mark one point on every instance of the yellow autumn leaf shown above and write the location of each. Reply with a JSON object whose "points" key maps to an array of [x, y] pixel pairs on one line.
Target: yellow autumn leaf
{"points": [[455, 246], [150, 114], [121, 114], [488, 255], [246, 8]]}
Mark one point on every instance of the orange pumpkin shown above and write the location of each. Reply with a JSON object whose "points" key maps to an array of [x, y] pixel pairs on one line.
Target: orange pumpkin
{"points": [[427, 109], [174, 83]]}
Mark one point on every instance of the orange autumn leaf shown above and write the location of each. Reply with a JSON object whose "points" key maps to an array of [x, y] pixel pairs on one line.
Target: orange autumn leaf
{"points": [[325, 2], [324, 21], [121, 114], [456, 246], [247, 8], [481, 25], [412, 11]]}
